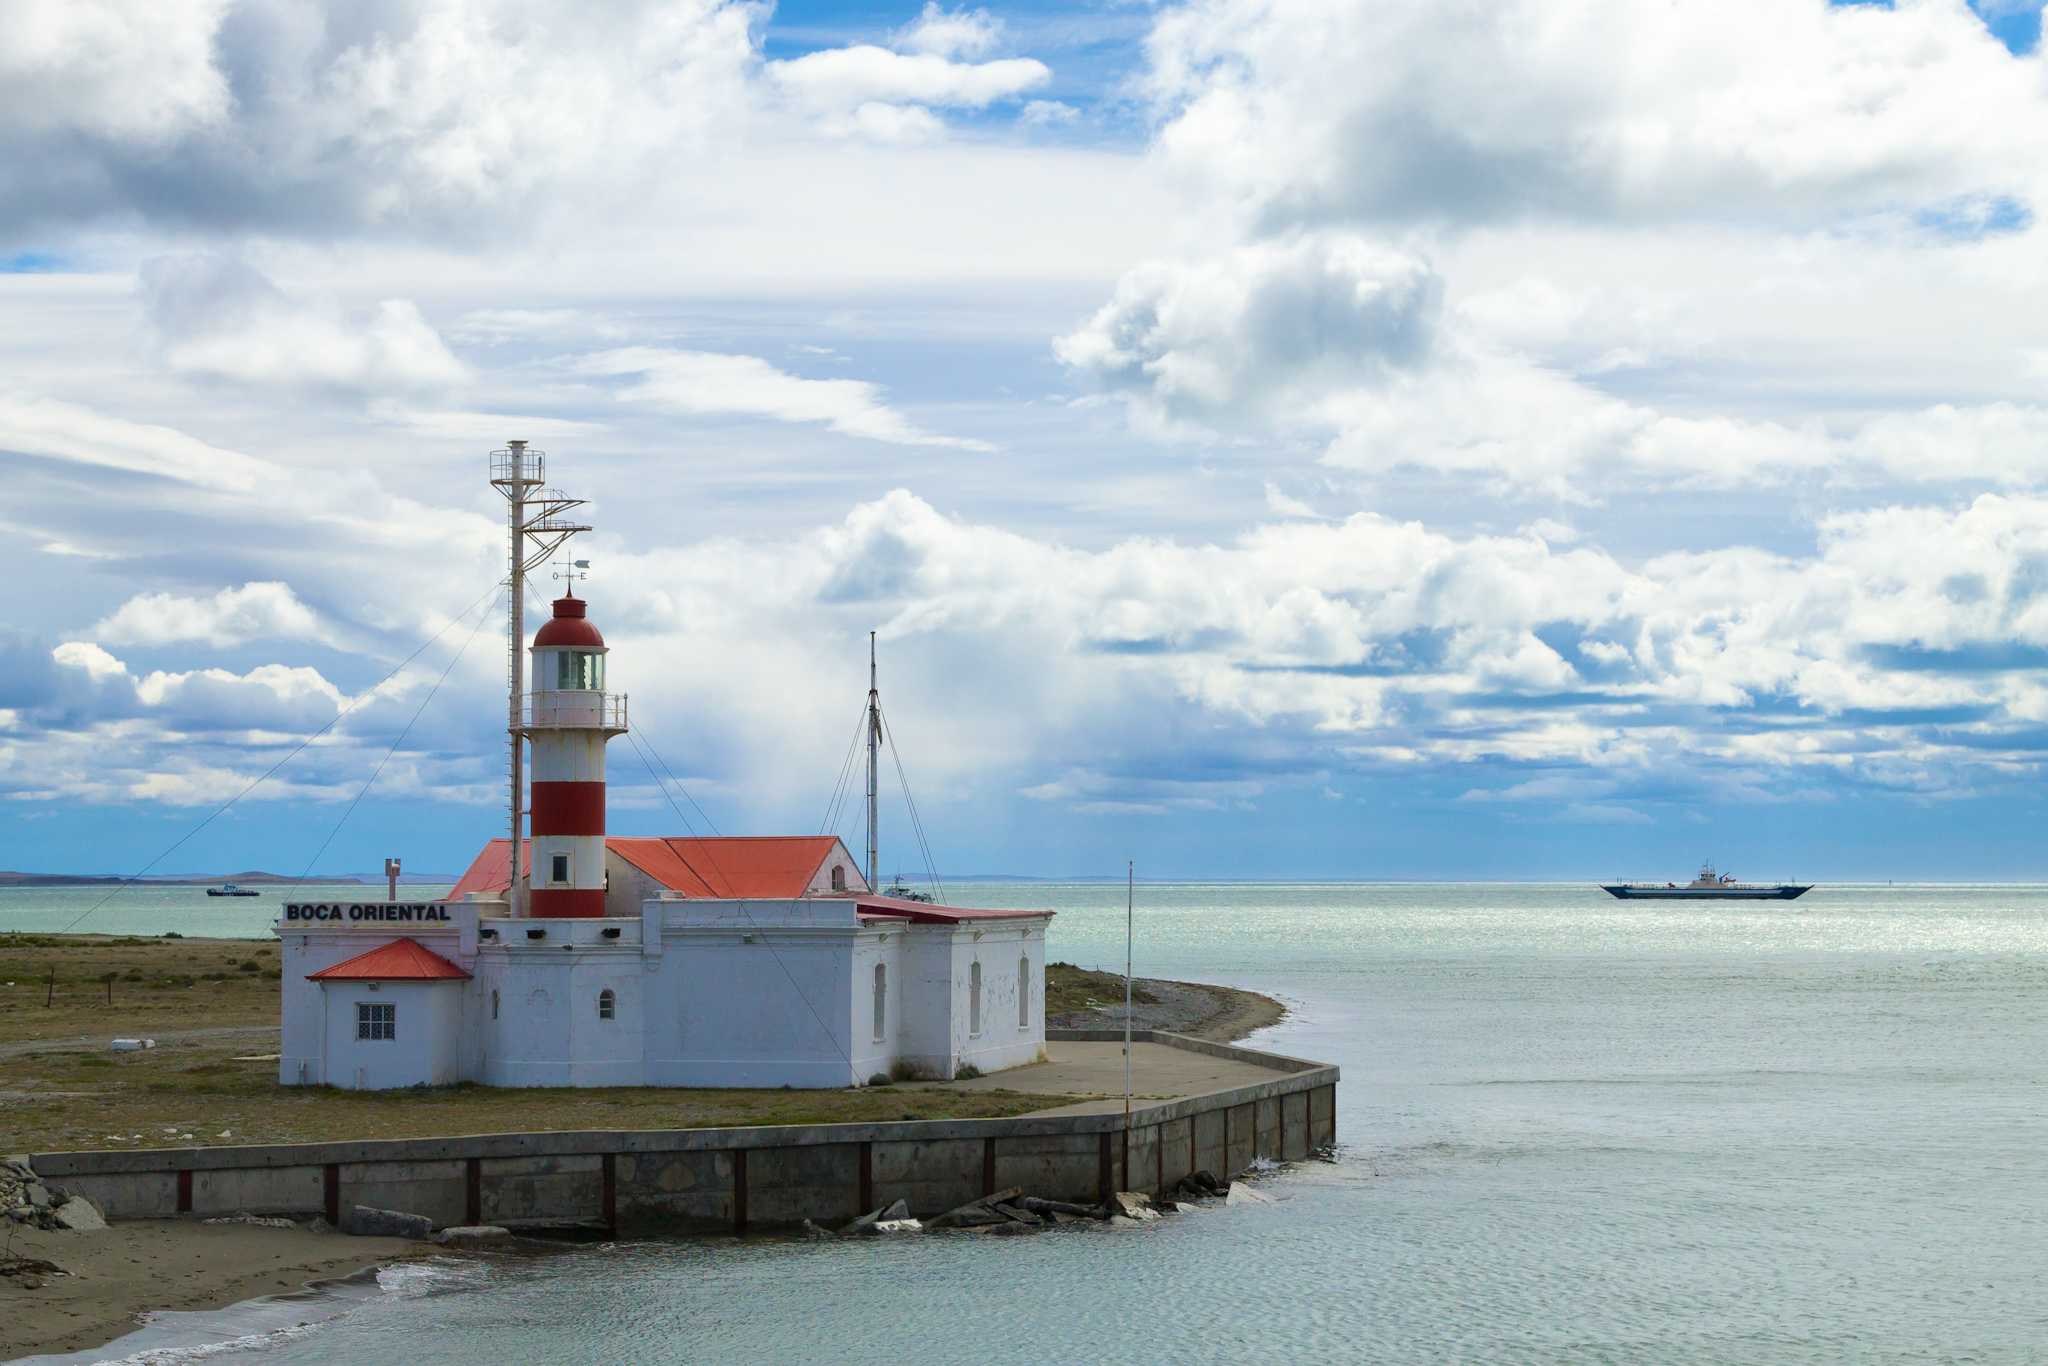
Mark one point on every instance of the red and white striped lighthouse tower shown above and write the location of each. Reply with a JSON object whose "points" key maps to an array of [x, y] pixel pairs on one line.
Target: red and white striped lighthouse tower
{"points": [[569, 717]]}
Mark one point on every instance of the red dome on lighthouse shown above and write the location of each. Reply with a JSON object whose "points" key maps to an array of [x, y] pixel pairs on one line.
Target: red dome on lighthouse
{"points": [[569, 627]]}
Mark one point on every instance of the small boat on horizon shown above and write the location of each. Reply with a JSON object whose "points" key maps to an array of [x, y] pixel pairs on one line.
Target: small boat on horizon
{"points": [[1708, 886], [230, 889]]}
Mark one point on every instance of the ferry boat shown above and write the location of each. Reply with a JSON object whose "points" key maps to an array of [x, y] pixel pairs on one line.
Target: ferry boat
{"points": [[1708, 886], [230, 889]]}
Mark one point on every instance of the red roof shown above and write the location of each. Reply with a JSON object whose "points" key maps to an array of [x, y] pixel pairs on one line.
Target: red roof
{"points": [[568, 627], [930, 913], [760, 867], [745, 867], [401, 960], [763, 868]]}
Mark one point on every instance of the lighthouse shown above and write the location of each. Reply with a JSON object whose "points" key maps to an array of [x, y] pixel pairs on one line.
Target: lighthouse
{"points": [[569, 718]]}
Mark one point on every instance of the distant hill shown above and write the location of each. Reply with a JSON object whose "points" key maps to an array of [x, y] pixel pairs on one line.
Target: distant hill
{"points": [[248, 879]]}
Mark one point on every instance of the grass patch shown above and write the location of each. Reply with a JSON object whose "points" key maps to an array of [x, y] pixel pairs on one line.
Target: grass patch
{"points": [[61, 1096], [1070, 990]]}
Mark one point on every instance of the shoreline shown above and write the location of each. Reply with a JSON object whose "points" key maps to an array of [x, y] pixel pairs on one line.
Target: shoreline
{"points": [[137, 1267], [141, 1266], [1200, 1010]]}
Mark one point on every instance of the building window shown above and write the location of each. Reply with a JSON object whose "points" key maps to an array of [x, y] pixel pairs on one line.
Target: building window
{"points": [[494, 1003], [558, 868], [974, 1000], [579, 670], [881, 1000], [607, 1004], [376, 1020], [1024, 992], [838, 877]]}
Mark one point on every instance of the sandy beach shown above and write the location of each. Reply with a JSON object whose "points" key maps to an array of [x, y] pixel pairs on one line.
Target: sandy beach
{"points": [[112, 1278]]}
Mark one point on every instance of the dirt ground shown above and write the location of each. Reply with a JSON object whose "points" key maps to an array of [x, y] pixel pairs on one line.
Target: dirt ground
{"points": [[1079, 999]]}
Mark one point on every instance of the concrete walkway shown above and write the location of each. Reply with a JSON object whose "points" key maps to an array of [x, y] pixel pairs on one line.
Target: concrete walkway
{"points": [[1158, 1072]]}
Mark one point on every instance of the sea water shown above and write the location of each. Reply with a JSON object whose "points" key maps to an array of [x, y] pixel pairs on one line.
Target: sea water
{"points": [[1571, 1129]]}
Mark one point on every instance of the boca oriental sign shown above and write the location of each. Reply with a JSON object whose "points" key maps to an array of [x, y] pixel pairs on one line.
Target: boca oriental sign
{"points": [[400, 912]]}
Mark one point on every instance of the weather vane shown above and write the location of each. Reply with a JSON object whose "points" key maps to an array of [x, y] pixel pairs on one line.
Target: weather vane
{"points": [[573, 570]]}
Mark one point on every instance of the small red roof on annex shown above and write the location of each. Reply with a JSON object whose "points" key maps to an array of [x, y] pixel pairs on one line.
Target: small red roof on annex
{"points": [[931, 913], [401, 960]]}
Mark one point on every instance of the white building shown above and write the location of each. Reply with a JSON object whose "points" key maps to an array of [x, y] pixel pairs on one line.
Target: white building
{"points": [[650, 962]]}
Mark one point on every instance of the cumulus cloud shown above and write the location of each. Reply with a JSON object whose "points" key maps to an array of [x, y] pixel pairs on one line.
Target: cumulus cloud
{"points": [[1260, 326], [220, 318], [950, 33], [711, 384], [845, 77], [1415, 110], [227, 112], [233, 616], [140, 74]]}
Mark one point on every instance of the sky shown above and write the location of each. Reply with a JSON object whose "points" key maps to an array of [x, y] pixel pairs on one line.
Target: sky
{"points": [[1270, 438]]}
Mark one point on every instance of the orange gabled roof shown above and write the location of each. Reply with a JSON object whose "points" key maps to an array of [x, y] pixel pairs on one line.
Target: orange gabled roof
{"points": [[765, 867], [758, 867], [489, 872], [401, 960]]}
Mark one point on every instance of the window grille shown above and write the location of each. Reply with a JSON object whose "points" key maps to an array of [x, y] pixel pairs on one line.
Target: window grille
{"points": [[376, 1020], [607, 1004]]}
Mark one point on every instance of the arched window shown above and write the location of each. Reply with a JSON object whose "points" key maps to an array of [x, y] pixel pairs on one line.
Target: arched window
{"points": [[1024, 992], [974, 1000], [607, 1004], [838, 877], [494, 1003], [881, 1000]]}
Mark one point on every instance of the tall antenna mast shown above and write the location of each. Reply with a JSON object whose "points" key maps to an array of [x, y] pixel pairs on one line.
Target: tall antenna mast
{"points": [[874, 759], [534, 517]]}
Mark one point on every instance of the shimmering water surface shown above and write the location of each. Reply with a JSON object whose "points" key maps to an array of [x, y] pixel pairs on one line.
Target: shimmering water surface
{"points": [[1573, 1129]]}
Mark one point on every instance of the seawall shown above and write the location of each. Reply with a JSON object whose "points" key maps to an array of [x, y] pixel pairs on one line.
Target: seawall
{"points": [[734, 1179]]}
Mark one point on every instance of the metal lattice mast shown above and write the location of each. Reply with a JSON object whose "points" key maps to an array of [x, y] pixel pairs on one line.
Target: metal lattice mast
{"points": [[516, 472], [874, 759]]}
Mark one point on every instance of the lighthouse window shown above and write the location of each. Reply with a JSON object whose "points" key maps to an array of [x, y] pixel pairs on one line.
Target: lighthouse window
{"points": [[558, 868], [607, 1004], [376, 1020], [579, 669]]}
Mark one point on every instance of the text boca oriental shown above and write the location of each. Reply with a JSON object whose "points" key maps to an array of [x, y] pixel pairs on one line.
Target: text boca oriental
{"points": [[404, 912]]}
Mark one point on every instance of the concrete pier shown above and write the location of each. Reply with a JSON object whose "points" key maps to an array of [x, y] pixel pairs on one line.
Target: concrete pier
{"points": [[736, 1179]]}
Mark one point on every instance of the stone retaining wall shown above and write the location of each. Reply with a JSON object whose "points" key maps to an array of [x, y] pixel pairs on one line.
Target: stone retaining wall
{"points": [[687, 1180]]}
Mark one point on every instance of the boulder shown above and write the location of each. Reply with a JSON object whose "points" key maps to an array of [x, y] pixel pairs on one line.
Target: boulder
{"points": [[867, 1222], [1033, 1205], [1202, 1183], [472, 1235], [79, 1215], [1132, 1205], [365, 1222], [37, 1196], [895, 1226]]}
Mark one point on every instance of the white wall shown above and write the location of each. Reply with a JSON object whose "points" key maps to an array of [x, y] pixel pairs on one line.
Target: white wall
{"points": [[423, 1051]]}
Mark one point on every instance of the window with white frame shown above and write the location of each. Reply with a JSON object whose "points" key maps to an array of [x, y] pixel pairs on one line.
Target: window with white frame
{"points": [[838, 877], [607, 1005], [881, 1001], [974, 1000], [376, 1020], [558, 868]]}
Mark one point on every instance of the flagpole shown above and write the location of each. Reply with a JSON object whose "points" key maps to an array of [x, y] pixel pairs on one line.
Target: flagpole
{"points": [[1130, 921]]}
